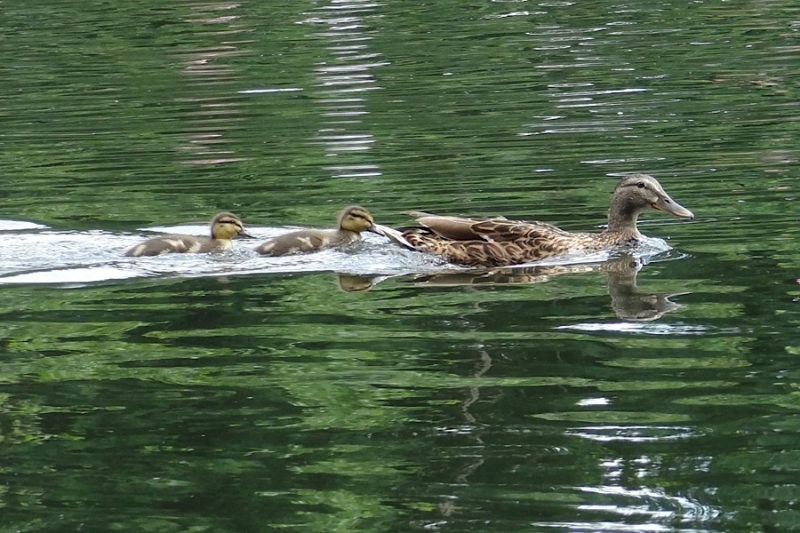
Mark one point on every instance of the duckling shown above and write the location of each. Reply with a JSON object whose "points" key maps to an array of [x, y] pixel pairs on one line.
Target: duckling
{"points": [[352, 221], [224, 227], [498, 241]]}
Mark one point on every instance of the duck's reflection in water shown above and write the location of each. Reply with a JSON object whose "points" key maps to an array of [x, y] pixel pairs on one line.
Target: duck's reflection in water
{"points": [[627, 301]]}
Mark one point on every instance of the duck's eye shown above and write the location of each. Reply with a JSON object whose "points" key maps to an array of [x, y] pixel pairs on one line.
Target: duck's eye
{"points": [[640, 185]]}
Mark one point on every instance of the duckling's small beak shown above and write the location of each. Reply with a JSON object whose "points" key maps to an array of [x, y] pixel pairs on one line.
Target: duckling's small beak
{"points": [[668, 205], [244, 235]]}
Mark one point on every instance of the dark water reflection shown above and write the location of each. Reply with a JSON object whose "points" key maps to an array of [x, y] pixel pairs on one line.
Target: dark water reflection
{"points": [[356, 391], [627, 301], [218, 399]]}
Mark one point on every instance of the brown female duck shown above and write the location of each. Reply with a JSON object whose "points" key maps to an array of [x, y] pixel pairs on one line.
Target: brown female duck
{"points": [[352, 221], [224, 227], [501, 242]]}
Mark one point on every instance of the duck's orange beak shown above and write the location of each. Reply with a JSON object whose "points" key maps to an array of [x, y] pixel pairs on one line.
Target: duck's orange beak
{"points": [[668, 205]]}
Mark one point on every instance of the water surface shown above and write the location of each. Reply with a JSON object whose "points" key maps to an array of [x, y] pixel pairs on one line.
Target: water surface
{"points": [[371, 389]]}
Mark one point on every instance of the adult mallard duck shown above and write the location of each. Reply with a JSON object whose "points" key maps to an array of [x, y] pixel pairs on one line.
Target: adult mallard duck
{"points": [[224, 227], [502, 242], [352, 222]]}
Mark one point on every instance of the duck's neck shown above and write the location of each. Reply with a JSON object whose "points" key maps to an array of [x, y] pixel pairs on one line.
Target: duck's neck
{"points": [[623, 222]]}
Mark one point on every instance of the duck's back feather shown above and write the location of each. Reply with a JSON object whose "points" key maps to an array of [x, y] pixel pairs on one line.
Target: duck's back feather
{"points": [[498, 241]]}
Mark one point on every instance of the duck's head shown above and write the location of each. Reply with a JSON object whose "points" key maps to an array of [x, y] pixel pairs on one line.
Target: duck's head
{"points": [[636, 193], [357, 219], [227, 226]]}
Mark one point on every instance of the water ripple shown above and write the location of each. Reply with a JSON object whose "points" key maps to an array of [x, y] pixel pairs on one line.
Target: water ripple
{"points": [[67, 257]]}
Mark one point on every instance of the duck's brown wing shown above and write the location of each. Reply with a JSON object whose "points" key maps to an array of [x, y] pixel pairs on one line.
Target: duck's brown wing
{"points": [[492, 242], [467, 229], [455, 228], [496, 229], [503, 230], [490, 254]]}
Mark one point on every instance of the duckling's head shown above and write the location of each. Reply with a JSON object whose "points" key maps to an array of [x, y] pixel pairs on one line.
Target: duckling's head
{"points": [[356, 219], [226, 226], [635, 193]]}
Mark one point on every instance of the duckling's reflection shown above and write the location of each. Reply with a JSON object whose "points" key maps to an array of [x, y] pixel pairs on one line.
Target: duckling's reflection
{"points": [[627, 301], [355, 283]]}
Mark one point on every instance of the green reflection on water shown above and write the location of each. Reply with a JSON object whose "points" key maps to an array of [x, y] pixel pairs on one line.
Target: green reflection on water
{"points": [[275, 402], [617, 417]]}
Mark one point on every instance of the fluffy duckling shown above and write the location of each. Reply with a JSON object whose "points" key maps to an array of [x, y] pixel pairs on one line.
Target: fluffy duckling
{"points": [[224, 227], [352, 221], [501, 242]]}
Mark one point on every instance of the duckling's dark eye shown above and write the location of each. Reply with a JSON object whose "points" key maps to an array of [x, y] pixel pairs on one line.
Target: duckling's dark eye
{"points": [[640, 185]]}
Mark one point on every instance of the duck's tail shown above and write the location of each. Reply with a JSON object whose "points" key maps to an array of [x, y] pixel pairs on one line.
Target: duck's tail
{"points": [[393, 235]]}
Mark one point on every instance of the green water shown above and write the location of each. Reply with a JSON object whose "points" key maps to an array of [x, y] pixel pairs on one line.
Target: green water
{"points": [[207, 394]]}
